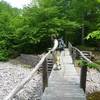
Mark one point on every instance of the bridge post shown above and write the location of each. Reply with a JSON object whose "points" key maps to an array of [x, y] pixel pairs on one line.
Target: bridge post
{"points": [[74, 54], [83, 77], [45, 74], [70, 48]]}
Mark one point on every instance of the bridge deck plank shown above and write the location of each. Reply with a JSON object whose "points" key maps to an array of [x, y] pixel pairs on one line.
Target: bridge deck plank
{"points": [[64, 84]]}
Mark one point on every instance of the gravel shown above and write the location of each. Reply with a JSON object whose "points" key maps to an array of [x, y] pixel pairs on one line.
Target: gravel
{"points": [[12, 73], [93, 80]]}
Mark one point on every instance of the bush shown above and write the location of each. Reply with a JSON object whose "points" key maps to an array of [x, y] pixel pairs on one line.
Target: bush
{"points": [[90, 65], [4, 55]]}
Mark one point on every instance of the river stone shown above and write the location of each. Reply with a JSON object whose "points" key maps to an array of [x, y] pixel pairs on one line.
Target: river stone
{"points": [[27, 59], [12, 73]]}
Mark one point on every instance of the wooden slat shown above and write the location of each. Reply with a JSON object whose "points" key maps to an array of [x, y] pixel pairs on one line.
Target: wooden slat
{"points": [[64, 84], [62, 98]]}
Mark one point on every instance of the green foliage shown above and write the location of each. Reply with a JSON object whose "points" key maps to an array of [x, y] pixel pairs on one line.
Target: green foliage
{"points": [[95, 35], [4, 55], [98, 0], [30, 30], [90, 65]]}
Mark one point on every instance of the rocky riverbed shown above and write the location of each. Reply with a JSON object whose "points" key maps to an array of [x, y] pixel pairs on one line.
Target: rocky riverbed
{"points": [[14, 71], [93, 80]]}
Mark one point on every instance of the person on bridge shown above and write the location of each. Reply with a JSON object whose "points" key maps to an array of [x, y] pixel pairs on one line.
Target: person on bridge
{"points": [[61, 46]]}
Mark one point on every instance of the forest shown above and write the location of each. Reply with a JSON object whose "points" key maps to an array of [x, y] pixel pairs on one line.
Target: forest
{"points": [[30, 30]]}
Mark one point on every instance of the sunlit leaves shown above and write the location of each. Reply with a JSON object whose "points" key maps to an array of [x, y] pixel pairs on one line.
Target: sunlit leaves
{"points": [[98, 1], [95, 35]]}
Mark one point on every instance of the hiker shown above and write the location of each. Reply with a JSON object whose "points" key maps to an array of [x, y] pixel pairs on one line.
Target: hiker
{"points": [[61, 44], [57, 53], [60, 48]]}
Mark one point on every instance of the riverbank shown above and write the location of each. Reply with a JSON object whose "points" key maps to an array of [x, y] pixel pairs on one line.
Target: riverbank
{"points": [[92, 84], [13, 72]]}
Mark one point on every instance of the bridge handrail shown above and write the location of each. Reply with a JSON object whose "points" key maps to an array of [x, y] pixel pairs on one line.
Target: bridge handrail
{"points": [[83, 75], [27, 79], [72, 48], [83, 56]]}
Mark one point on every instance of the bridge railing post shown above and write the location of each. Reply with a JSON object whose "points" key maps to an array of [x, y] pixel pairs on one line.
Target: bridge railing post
{"points": [[83, 77], [70, 48], [45, 74], [74, 54]]}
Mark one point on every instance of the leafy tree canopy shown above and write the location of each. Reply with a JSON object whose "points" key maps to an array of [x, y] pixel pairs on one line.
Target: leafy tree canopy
{"points": [[30, 30]]}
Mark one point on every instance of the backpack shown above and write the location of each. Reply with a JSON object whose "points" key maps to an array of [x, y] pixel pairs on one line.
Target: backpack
{"points": [[60, 44]]}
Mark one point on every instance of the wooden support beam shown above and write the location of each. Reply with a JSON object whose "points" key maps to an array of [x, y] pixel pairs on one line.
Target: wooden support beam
{"points": [[83, 77], [45, 74]]}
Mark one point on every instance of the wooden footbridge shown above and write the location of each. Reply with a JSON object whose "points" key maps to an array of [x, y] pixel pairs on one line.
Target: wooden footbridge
{"points": [[62, 84]]}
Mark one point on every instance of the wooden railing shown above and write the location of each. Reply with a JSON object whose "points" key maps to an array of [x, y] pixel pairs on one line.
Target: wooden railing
{"points": [[76, 53], [43, 63]]}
